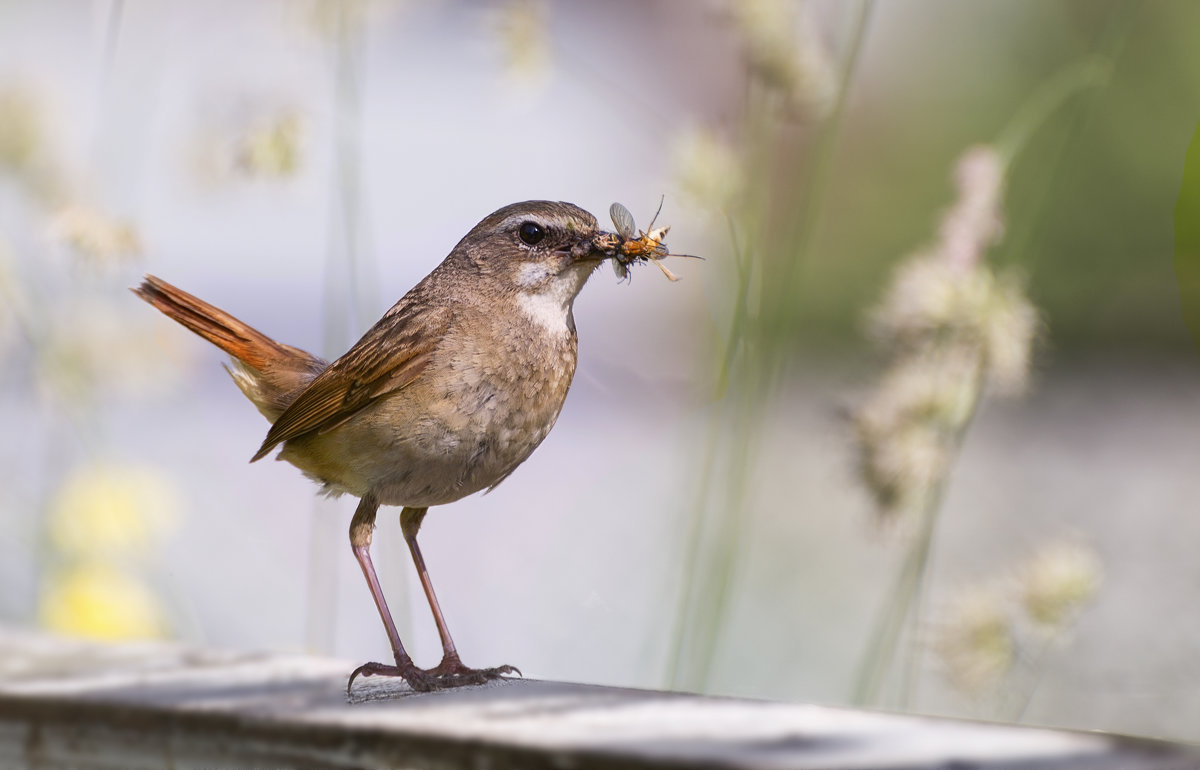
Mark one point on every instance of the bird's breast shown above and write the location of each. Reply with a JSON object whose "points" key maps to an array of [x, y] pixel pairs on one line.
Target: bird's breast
{"points": [[507, 390], [488, 398]]}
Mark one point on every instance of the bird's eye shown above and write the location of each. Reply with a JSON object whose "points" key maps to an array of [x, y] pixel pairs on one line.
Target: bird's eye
{"points": [[531, 232]]}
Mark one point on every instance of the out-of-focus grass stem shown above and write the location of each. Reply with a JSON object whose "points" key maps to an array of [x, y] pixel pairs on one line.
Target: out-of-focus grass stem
{"points": [[694, 591], [715, 541], [816, 183], [885, 637], [1093, 73], [693, 594], [902, 608], [738, 322], [112, 40], [918, 585], [1020, 693]]}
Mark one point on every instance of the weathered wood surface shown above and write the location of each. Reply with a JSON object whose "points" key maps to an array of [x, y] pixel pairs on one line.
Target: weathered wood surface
{"points": [[66, 704]]}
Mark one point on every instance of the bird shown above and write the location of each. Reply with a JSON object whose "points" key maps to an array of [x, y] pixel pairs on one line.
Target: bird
{"points": [[445, 396]]}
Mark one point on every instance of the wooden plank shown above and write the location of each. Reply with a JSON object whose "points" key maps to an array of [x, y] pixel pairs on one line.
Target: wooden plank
{"points": [[67, 704]]}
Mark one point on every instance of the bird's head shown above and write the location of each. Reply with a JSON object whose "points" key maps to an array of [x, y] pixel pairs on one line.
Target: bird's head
{"points": [[537, 253]]}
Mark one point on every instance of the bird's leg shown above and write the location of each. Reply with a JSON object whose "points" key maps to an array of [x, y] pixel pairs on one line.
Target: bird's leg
{"points": [[361, 527], [450, 672], [410, 523]]}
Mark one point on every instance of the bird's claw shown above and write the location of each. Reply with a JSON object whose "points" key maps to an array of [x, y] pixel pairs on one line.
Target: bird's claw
{"points": [[449, 673], [457, 675], [417, 678]]}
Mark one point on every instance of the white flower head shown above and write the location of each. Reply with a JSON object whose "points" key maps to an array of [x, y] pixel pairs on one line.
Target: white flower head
{"points": [[1058, 581], [785, 51], [95, 235], [974, 223], [976, 641]]}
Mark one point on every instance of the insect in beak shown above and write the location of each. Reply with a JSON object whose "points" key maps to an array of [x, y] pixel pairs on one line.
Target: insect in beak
{"points": [[625, 248]]}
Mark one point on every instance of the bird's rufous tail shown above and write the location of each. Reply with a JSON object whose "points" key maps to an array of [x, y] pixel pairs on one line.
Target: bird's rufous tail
{"points": [[270, 373]]}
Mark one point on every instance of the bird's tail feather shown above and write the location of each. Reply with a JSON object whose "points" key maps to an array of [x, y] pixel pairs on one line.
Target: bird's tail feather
{"points": [[270, 373]]}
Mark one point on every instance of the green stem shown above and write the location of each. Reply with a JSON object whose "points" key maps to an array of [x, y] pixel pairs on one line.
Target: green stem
{"points": [[112, 39], [1046, 100], [1093, 72], [1018, 694], [701, 611], [904, 605], [885, 637], [691, 596], [677, 660], [737, 324], [813, 194], [690, 602], [731, 528]]}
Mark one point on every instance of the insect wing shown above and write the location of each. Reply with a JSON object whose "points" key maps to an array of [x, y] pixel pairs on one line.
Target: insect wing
{"points": [[622, 220]]}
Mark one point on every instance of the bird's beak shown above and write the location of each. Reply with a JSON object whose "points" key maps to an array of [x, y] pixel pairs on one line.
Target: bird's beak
{"points": [[592, 248]]}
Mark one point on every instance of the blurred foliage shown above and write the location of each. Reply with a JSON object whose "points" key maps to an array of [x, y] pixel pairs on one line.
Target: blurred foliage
{"points": [[1187, 240], [68, 347], [1089, 199], [834, 195]]}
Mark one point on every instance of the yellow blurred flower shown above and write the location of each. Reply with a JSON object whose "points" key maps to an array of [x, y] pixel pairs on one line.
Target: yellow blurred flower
{"points": [[99, 601], [523, 30], [330, 19], [111, 509], [95, 235], [20, 129], [272, 147]]}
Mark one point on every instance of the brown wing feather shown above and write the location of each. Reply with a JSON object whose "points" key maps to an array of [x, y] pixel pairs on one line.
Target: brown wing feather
{"points": [[386, 359]]}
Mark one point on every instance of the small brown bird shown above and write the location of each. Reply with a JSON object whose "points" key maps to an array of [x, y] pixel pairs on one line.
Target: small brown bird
{"points": [[446, 395]]}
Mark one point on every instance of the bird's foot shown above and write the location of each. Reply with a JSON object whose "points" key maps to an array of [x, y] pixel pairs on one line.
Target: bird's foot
{"points": [[452, 673], [449, 673], [418, 678]]}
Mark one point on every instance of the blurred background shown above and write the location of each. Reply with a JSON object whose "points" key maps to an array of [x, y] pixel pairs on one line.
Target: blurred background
{"points": [[920, 432]]}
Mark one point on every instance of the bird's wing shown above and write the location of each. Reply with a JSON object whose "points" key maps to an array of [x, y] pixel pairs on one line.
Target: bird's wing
{"points": [[386, 359]]}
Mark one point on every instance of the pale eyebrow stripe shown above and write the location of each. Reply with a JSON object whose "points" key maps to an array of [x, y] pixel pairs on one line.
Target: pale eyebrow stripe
{"points": [[516, 219]]}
